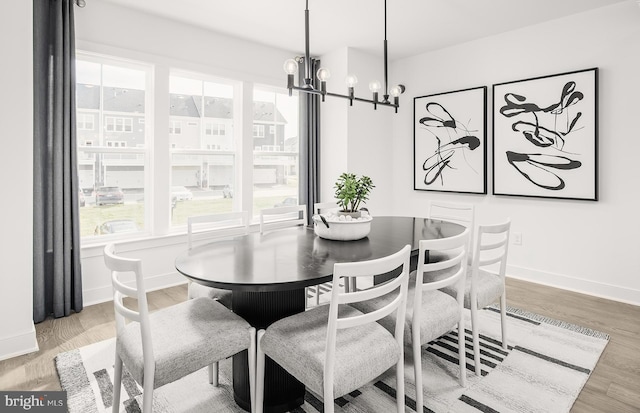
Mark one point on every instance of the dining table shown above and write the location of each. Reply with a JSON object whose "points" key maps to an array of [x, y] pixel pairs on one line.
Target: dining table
{"points": [[269, 272]]}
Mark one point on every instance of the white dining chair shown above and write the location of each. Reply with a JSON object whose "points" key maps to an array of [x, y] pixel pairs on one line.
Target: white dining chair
{"points": [[171, 343], [320, 207], [335, 349], [209, 227], [282, 217], [486, 280], [456, 212], [432, 313]]}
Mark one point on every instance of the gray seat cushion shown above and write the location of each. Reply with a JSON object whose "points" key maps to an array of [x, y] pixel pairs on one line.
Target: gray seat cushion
{"points": [[489, 288], [439, 313], [298, 342], [198, 290], [186, 337]]}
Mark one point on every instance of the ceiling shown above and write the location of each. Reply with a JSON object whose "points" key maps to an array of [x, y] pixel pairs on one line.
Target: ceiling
{"points": [[413, 26]]}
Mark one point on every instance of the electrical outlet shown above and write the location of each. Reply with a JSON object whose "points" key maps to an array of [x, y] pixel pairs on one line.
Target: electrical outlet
{"points": [[517, 238]]}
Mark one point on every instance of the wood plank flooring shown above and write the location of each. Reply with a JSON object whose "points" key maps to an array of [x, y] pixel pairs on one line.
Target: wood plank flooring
{"points": [[614, 385]]}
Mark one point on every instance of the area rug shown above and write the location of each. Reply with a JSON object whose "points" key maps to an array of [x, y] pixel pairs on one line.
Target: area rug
{"points": [[543, 370]]}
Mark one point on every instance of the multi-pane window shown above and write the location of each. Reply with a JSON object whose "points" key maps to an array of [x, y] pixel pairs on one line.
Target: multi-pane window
{"points": [[175, 127], [112, 156], [275, 156], [215, 129], [203, 159], [85, 121], [200, 147], [118, 124], [258, 131]]}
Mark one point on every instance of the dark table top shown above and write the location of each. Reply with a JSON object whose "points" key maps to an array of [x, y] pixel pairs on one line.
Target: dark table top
{"points": [[294, 258]]}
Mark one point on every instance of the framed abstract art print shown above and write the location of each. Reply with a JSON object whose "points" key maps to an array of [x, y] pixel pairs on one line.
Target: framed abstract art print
{"points": [[449, 141], [545, 132]]}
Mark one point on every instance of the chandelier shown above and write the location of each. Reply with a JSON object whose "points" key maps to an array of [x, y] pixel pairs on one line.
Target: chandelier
{"points": [[291, 67]]}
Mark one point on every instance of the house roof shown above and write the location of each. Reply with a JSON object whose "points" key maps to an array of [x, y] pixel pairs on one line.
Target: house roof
{"points": [[132, 101]]}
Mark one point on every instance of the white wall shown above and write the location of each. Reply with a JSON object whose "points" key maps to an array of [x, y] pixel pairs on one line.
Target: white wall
{"points": [[356, 138], [17, 333], [578, 245]]}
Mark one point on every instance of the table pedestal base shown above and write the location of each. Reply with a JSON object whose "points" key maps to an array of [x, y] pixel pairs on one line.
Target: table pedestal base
{"points": [[282, 391]]}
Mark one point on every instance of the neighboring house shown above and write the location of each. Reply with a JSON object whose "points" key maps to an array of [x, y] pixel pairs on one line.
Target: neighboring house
{"points": [[201, 135]]}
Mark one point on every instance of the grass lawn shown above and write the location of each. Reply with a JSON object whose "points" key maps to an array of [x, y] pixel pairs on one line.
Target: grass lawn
{"points": [[92, 216]]}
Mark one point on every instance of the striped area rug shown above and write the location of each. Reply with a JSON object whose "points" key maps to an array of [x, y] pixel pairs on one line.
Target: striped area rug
{"points": [[543, 370]]}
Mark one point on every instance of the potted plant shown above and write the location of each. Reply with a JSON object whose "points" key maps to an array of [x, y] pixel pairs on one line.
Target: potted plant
{"points": [[351, 192]]}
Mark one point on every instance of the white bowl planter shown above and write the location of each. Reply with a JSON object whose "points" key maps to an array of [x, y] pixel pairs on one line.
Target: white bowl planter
{"points": [[340, 227]]}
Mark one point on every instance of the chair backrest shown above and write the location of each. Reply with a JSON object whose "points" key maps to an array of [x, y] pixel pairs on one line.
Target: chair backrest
{"points": [[491, 248], [457, 212], [397, 286], [282, 217], [446, 272], [217, 225], [320, 207], [118, 266]]}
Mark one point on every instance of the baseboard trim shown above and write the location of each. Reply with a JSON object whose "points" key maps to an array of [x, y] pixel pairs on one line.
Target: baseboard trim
{"points": [[157, 282], [578, 285], [19, 344]]}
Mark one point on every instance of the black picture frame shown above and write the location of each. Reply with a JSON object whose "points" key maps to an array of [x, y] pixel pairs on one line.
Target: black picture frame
{"points": [[450, 141], [545, 136]]}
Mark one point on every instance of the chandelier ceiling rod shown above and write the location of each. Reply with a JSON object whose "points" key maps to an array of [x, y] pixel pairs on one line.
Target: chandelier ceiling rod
{"points": [[291, 67]]}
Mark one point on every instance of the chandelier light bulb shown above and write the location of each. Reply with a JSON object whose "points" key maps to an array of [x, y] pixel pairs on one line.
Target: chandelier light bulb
{"points": [[290, 66], [351, 80], [396, 91], [374, 86], [323, 74]]}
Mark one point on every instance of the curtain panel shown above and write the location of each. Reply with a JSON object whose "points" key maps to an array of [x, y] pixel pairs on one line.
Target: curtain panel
{"points": [[57, 277], [309, 141]]}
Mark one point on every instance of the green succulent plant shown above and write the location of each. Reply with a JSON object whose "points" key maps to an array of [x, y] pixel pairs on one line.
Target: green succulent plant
{"points": [[352, 191]]}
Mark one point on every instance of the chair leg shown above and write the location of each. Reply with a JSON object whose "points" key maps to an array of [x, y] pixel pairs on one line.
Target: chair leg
{"points": [[259, 399], [399, 380], [147, 393], [476, 337], [328, 401], [117, 383], [317, 287], [417, 369], [213, 374], [252, 368], [462, 353], [503, 319]]}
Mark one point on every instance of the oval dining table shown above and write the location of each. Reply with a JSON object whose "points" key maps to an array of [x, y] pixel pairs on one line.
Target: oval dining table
{"points": [[268, 274]]}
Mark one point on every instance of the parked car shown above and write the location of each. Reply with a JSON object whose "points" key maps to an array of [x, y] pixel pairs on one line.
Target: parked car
{"points": [[116, 226], [109, 195], [287, 202], [227, 192], [181, 193]]}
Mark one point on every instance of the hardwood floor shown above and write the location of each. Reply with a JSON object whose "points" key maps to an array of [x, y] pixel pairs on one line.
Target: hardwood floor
{"points": [[614, 385]]}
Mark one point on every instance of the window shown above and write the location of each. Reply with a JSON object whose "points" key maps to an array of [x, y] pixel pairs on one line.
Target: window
{"points": [[197, 161], [258, 131], [275, 157], [199, 145], [111, 157], [85, 121], [175, 127], [118, 124], [215, 129]]}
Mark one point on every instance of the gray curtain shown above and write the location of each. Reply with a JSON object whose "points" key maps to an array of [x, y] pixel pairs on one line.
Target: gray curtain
{"points": [[57, 278], [309, 141]]}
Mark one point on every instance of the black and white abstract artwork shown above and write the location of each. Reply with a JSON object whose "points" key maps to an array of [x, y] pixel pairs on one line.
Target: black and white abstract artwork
{"points": [[545, 136], [449, 141]]}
